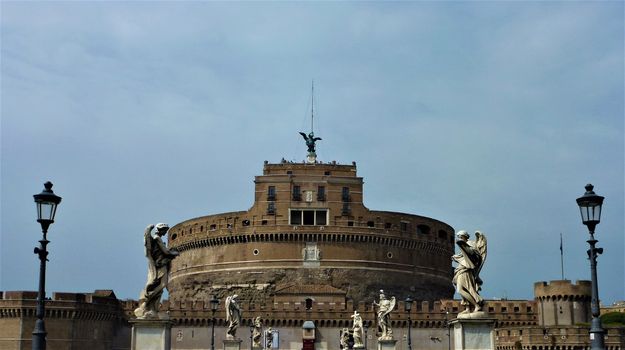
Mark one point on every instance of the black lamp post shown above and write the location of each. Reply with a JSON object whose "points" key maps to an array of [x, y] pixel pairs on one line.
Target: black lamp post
{"points": [[47, 202], [448, 330], [590, 208], [251, 334], [407, 308], [214, 304]]}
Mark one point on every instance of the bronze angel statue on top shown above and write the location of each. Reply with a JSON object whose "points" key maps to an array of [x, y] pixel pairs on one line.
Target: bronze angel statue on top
{"points": [[467, 274], [310, 141]]}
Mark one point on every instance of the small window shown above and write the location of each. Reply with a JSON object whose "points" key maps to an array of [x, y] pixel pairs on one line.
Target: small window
{"points": [[264, 222], [271, 193], [529, 309], [213, 227], [326, 173], [345, 209], [296, 217], [389, 255], [271, 208], [516, 309], [404, 226], [350, 223], [309, 303], [345, 194], [201, 228], [245, 222], [174, 236], [370, 224], [321, 193], [289, 172], [255, 252], [504, 309], [229, 226], [423, 229], [388, 225], [309, 217], [320, 216], [297, 193]]}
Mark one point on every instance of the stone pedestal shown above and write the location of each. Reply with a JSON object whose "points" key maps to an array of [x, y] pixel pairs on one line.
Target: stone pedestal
{"points": [[150, 334], [232, 344], [388, 344], [474, 333]]}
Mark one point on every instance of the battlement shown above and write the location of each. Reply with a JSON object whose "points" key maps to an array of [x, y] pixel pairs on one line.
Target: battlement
{"points": [[100, 305], [562, 289], [319, 168]]}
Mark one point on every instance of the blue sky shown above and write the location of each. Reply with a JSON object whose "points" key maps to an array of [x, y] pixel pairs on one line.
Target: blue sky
{"points": [[485, 115]]}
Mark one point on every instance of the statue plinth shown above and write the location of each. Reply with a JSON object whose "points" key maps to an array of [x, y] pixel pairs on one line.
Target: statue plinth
{"points": [[311, 158], [472, 332], [386, 344], [151, 334], [232, 344]]}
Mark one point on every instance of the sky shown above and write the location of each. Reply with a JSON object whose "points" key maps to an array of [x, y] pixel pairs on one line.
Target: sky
{"points": [[488, 116]]}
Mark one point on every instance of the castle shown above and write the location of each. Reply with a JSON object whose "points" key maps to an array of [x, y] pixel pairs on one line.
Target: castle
{"points": [[308, 252]]}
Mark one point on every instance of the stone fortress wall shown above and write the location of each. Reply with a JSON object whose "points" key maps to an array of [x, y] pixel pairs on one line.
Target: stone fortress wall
{"points": [[563, 303], [93, 321], [308, 225]]}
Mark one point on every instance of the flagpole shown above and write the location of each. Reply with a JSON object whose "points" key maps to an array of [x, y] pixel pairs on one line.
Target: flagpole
{"points": [[561, 257]]}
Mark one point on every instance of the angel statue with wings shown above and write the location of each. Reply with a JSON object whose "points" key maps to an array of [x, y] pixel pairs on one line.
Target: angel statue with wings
{"points": [[310, 141], [159, 262], [385, 306], [467, 274], [233, 315]]}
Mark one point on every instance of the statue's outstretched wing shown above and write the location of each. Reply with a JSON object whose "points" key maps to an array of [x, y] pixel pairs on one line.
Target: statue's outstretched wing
{"points": [[392, 306], [304, 135], [481, 248], [317, 139], [228, 312]]}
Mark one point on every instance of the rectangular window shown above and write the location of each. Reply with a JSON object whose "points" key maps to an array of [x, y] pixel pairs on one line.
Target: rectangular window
{"points": [[345, 194], [404, 226], [321, 217], [297, 194], [271, 208], [308, 217], [271, 193], [321, 193], [296, 217]]}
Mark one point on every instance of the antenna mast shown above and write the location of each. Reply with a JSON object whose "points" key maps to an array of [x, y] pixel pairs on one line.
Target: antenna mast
{"points": [[312, 107]]}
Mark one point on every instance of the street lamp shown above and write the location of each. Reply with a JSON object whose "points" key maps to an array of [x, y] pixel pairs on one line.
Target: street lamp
{"points": [[407, 308], [214, 304], [448, 330], [251, 334], [46, 202], [590, 209]]}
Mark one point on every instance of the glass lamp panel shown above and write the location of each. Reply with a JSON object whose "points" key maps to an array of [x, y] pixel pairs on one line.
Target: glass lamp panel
{"points": [[46, 210]]}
